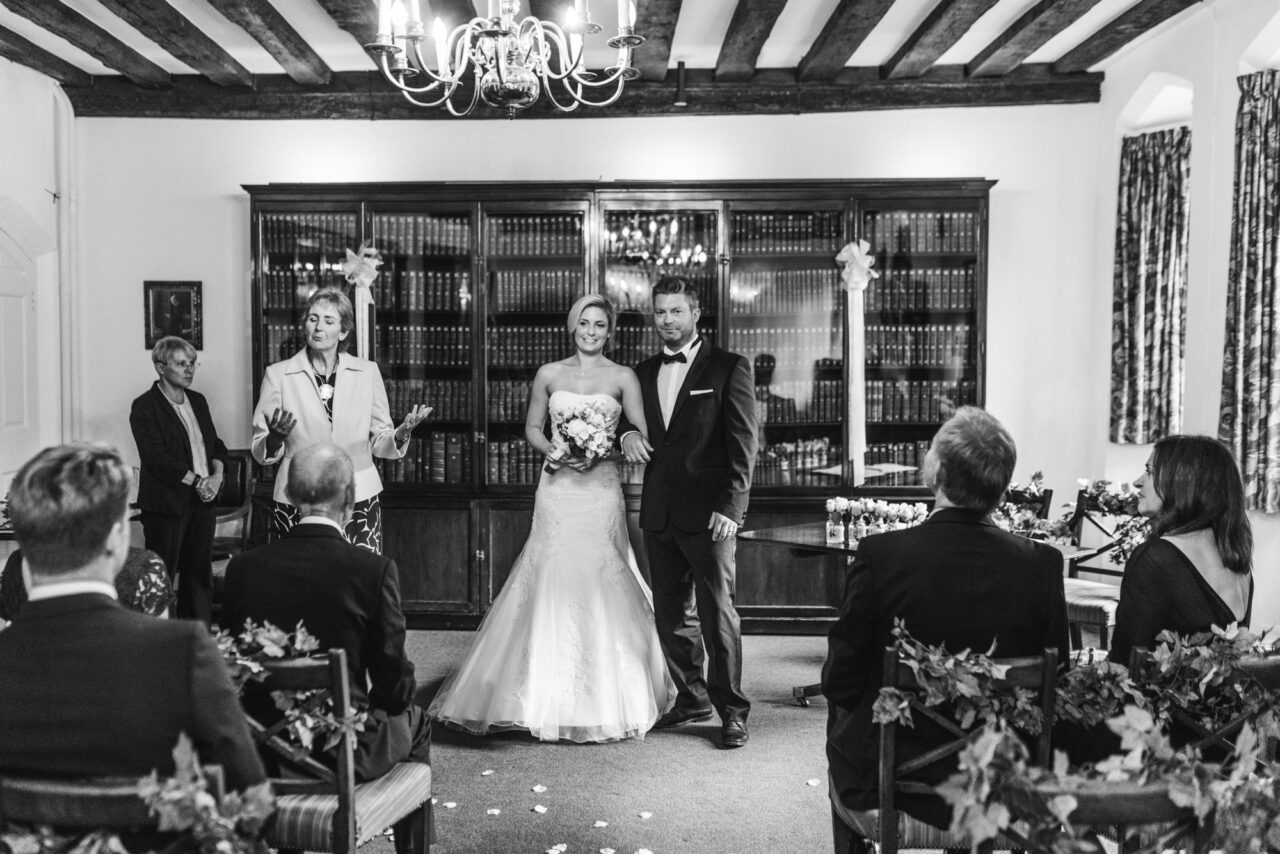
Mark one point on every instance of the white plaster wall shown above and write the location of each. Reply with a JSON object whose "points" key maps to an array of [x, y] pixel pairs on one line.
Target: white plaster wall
{"points": [[1206, 49]]}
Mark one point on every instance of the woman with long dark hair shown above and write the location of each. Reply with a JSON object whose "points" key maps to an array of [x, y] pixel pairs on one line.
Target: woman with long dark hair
{"points": [[1195, 570]]}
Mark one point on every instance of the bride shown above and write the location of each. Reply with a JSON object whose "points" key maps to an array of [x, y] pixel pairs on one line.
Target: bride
{"points": [[569, 649]]}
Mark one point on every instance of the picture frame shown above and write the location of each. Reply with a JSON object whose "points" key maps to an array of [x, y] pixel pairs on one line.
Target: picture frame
{"points": [[173, 308]]}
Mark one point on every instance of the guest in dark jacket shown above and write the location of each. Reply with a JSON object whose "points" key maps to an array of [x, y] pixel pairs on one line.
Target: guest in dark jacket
{"points": [[87, 687], [182, 463], [956, 580], [347, 597]]}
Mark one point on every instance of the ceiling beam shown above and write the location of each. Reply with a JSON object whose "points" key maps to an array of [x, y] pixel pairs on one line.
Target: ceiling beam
{"points": [[357, 17], [750, 26], [944, 26], [656, 21], [1027, 34], [1121, 30], [23, 52], [181, 39], [269, 28], [90, 38], [365, 95], [843, 33]]}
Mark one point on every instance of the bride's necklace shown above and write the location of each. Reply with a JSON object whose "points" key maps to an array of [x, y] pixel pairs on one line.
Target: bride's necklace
{"points": [[582, 369]]}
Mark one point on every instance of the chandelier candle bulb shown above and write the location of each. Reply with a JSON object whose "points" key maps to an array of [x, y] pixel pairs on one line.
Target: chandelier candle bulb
{"points": [[384, 18], [442, 46], [415, 11], [624, 19]]}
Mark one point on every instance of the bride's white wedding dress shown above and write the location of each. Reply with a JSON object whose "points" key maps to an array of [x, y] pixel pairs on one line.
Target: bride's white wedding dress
{"points": [[569, 649]]}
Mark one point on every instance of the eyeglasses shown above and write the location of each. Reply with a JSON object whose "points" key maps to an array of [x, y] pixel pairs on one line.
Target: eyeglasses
{"points": [[182, 366]]}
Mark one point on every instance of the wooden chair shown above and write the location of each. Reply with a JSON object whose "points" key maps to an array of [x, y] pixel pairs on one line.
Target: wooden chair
{"points": [[890, 829], [1089, 603], [322, 809], [235, 504]]}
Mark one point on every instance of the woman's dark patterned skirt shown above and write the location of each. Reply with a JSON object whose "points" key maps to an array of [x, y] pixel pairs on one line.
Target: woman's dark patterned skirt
{"points": [[364, 528]]}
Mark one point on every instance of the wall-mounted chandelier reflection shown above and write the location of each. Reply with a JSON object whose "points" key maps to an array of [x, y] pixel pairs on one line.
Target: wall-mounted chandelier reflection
{"points": [[643, 247], [506, 60]]}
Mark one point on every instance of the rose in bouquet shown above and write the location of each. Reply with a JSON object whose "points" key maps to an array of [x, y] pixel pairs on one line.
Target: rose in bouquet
{"points": [[582, 433]]}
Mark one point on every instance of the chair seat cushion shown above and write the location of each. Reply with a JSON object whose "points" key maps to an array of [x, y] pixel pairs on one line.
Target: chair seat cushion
{"points": [[1091, 601], [306, 821]]}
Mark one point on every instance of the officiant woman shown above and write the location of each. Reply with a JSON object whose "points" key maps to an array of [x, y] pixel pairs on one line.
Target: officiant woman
{"points": [[325, 394]]}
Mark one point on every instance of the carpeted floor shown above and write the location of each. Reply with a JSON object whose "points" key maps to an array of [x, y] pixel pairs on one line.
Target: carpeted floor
{"points": [[675, 791]]}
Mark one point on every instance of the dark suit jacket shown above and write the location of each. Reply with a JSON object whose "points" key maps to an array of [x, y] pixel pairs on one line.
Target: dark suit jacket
{"points": [[92, 689], [702, 461], [165, 450], [956, 580], [346, 596]]}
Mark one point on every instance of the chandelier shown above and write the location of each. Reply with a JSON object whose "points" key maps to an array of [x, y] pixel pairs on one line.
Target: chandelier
{"points": [[508, 61]]}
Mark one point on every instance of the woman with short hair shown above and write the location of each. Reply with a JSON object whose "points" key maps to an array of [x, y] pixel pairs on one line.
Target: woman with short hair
{"points": [[323, 394], [1195, 569]]}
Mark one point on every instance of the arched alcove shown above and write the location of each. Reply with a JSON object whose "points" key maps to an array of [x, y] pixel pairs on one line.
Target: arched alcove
{"points": [[1264, 51], [1162, 100]]}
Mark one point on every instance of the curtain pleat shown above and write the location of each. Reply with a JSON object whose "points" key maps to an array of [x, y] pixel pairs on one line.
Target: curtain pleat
{"points": [[1148, 326], [1250, 412]]}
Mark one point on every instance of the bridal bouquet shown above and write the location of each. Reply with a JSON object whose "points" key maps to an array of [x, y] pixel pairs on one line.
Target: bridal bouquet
{"points": [[583, 432]]}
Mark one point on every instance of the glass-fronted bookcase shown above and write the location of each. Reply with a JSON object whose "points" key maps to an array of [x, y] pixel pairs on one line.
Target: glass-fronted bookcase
{"points": [[473, 294]]}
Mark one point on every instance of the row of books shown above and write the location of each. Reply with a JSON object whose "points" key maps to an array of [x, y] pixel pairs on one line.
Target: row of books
{"points": [[758, 233], [407, 234], [929, 345], [450, 400], [513, 461], [507, 399], [789, 345], [423, 290], [929, 401], [310, 234], [942, 288], [800, 402], [559, 234], [898, 454], [779, 462], [920, 231], [290, 289], [443, 346], [442, 457], [784, 291], [535, 290]]}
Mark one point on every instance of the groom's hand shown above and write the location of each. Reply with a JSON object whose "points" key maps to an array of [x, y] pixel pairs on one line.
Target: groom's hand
{"points": [[636, 448], [722, 527]]}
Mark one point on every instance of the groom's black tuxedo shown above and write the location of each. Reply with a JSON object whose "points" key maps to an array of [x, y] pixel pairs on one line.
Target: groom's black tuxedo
{"points": [[701, 463]]}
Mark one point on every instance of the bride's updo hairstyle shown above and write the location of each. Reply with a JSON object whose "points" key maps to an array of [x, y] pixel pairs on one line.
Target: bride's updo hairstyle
{"points": [[592, 301]]}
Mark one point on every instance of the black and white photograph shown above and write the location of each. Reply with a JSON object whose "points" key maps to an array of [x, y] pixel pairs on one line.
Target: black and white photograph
{"points": [[173, 308]]}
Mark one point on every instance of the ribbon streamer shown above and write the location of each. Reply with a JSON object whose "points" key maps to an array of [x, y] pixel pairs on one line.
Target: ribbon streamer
{"points": [[360, 269], [856, 274]]}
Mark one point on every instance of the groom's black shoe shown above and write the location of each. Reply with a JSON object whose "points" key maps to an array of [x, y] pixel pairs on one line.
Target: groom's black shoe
{"points": [[733, 734], [680, 717]]}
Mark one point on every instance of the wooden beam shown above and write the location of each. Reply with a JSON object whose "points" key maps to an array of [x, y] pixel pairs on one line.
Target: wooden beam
{"points": [[90, 38], [365, 95], [843, 33], [1040, 23], [1121, 30], [357, 17], [752, 22], [944, 26], [269, 28], [181, 39], [656, 21], [23, 52]]}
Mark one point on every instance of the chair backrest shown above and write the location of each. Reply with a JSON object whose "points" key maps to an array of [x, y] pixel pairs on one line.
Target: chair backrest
{"points": [[237, 482], [326, 673], [1041, 503], [1038, 673], [89, 804]]}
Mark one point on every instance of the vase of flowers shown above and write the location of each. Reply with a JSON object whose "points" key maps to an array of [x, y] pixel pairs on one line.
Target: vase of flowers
{"points": [[838, 517]]}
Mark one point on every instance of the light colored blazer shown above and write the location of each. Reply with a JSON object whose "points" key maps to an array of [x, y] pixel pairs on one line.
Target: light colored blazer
{"points": [[361, 425]]}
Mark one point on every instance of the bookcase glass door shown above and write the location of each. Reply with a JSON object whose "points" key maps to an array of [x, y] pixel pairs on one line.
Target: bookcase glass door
{"points": [[922, 328], [423, 303], [535, 269], [640, 246], [786, 315]]}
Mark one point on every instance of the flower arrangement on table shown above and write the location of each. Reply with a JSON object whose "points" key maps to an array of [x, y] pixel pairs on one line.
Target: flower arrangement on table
{"points": [[1119, 500], [1020, 513], [583, 433], [851, 519], [1199, 675]]}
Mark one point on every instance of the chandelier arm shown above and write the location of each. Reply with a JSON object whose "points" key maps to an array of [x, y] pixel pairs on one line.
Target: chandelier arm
{"points": [[409, 96], [450, 81], [580, 99], [402, 86], [475, 98]]}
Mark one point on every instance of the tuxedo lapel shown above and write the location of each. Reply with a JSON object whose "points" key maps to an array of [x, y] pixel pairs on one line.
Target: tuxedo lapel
{"points": [[700, 362]]}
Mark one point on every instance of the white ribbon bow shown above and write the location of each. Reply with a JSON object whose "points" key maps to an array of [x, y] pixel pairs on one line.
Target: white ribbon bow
{"points": [[360, 269], [855, 266]]}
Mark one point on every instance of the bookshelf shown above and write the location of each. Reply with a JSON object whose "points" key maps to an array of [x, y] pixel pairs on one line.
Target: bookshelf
{"points": [[475, 286]]}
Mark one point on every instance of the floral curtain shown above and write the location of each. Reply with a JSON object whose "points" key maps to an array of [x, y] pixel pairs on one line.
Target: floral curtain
{"points": [[1149, 317], [1250, 414]]}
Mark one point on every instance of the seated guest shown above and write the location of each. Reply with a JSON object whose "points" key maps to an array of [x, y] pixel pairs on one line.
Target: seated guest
{"points": [[142, 584], [956, 580], [347, 597], [1194, 571], [91, 688]]}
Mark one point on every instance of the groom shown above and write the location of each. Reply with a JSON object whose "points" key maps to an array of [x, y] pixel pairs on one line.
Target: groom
{"points": [[699, 405]]}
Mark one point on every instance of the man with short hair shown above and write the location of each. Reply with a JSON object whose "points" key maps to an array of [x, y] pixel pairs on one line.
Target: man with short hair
{"points": [[89, 688], [347, 597], [955, 580]]}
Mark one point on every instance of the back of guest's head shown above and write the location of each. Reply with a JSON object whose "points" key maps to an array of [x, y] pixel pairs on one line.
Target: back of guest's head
{"points": [[591, 301], [170, 345], [321, 476], [64, 502], [339, 302], [676, 285], [1200, 487], [971, 460]]}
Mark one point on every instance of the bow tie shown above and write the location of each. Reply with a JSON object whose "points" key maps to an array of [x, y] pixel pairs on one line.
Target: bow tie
{"points": [[668, 358]]}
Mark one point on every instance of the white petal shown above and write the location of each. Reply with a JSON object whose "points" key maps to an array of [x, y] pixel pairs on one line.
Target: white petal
{"points": [[488, 772], [601, 824], [607, 851], [539, 788], [814, 782], [539, 809], [450, 804], [643, 851], [645, 815], [493, 811]]}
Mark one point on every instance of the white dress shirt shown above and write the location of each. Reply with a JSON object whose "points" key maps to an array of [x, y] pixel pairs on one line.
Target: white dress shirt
{"points": [[671, 376], [70, 588]]}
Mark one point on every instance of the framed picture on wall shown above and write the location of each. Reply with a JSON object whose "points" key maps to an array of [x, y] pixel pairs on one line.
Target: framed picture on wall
{"points": [[173, 308]]}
